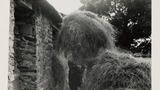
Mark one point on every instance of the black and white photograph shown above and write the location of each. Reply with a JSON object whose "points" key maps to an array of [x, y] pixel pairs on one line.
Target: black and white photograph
{"points": [[80, 45]]}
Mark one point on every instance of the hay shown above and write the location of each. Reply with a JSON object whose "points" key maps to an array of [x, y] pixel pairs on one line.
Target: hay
{"points": [[112, 71], [60, 71], [83, 34]]}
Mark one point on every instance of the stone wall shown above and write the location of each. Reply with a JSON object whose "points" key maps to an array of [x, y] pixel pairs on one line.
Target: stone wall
{"points": [[25, 54], [44, 48], [13, 73], [25, 47], [32, 38]]}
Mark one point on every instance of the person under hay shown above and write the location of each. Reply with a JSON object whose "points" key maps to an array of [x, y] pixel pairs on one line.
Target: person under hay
{"points": [[87, 40]]}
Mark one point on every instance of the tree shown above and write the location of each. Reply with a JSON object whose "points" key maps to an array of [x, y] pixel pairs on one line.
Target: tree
{"points": [[131, 18]]}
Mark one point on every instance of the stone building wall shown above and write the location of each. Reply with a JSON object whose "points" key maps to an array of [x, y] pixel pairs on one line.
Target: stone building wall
{"points": [[44, 48], [25, 54], [25, 46], [32, 38], [13, 72]]}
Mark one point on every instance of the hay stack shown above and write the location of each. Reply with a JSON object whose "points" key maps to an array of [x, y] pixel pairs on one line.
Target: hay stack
{"points": [[83, 34], [112, 71]]}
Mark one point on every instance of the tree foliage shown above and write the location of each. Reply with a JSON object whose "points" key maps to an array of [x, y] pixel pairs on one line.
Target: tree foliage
{"points": [[131, 18]]}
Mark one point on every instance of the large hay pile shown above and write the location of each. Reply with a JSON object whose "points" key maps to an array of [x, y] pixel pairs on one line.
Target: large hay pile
{"points": [[113, 70], [83, 34], [83, 38]]}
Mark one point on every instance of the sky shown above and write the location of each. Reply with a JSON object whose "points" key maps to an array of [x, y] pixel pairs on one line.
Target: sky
{"points": [[65, 6]]}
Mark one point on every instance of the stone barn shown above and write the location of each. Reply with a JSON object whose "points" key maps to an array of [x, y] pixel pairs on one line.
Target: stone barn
{"points": [[33, 28]]}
